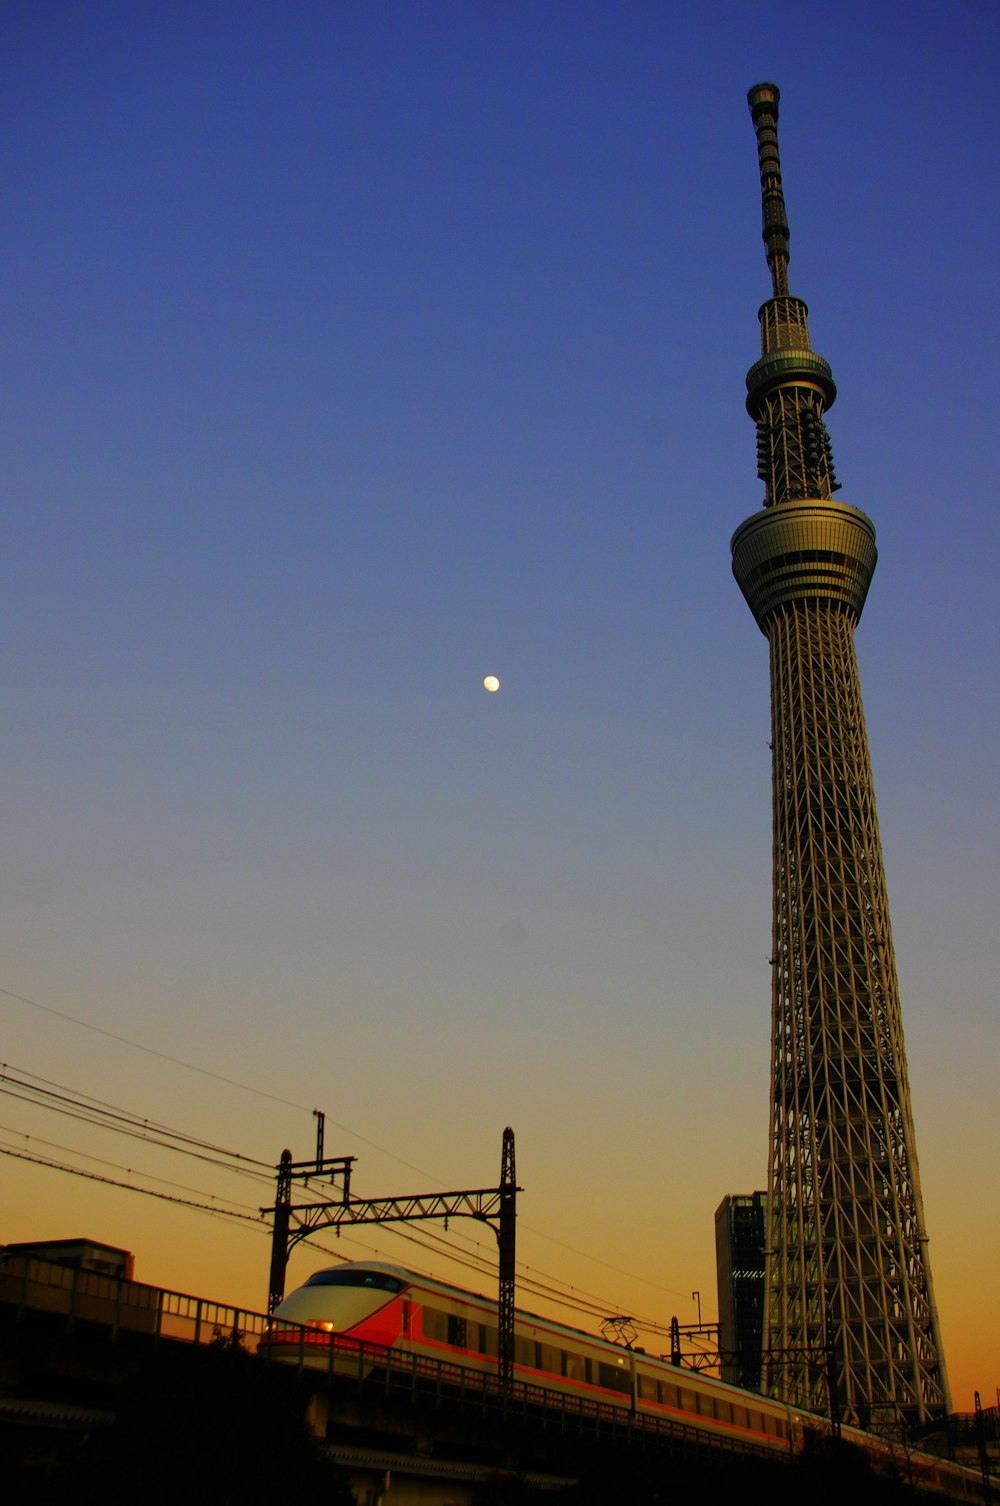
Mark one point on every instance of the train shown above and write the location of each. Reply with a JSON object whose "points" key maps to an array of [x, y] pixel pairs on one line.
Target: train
{"points": [[359, 1311]]}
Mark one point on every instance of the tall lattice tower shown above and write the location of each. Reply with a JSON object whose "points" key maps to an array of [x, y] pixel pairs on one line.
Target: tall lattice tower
{"points": [[848, 1278]]}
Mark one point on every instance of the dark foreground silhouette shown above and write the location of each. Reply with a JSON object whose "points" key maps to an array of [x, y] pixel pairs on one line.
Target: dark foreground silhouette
{"points": [[213, 1426], [198, 1425]]}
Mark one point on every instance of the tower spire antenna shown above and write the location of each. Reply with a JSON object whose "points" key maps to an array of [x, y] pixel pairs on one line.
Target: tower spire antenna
{"points": [[791, 387], [763, 101], [847, 1269]]}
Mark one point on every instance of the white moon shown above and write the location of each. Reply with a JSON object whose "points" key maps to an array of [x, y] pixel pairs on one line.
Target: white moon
{"points": [[491, 682]]}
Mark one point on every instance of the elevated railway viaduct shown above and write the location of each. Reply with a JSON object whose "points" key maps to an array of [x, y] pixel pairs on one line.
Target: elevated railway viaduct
{"points": [[408, 1432]]}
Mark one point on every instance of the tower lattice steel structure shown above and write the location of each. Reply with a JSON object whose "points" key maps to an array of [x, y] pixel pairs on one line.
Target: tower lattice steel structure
{"points": [[850, 1303]]}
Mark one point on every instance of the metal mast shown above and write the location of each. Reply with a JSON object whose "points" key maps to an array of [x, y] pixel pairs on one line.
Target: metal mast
{"points": [[847, 1268]]}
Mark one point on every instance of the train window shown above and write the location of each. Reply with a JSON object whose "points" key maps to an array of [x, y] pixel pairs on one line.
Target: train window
{"points": [[739, 1415], [524, 1352], [614, 1377], [687, 1400], [723, 1410], [407, 1306], [667, 1394], [435, 1325], [576, 1367], [457, 1331], [647, 1387], [378, 1279], [550, 1359]]}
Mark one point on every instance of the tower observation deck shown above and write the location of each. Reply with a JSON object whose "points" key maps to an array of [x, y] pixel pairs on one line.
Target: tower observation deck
{"points": [[847, 1271]]}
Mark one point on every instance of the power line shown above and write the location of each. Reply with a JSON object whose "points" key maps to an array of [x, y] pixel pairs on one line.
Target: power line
{"points": [[45, 1093], [132, 1129], [101, 1105], [630, 1275], [288, 1103], [71, 1150], [428, 1241], [163, 1056], [231, 1082], [587, 1303], [93, 1176], [594, 1307]]}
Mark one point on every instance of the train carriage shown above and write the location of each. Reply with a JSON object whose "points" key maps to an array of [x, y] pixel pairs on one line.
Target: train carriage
{"points": [[363, 1308]]}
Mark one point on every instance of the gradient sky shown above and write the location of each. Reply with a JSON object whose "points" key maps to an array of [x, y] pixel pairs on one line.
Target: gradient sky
{"points": [[355, 351]]}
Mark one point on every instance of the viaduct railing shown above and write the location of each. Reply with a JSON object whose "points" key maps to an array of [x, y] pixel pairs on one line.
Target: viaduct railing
{"points": [[111, 1302]]}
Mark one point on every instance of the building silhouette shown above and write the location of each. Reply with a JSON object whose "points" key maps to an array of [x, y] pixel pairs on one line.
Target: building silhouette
{"points": [[850, 1307], [740, 1230]]}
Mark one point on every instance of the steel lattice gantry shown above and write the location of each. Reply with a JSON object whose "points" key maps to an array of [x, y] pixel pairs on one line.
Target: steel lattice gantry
{"points": [[847, 1266], [494, 1206]]}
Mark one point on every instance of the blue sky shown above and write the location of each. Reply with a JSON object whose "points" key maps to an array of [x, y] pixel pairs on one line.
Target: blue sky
{"points": [[358, 350]]}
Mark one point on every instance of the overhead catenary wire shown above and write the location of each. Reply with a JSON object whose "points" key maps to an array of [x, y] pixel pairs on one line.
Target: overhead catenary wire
{"points": [[427, 1241], [93, 1176], [73, 1103], [44, 1092], [572, 1298], [231, 1082], [212, 1209], [131, 1171], [289, 1103], [125, 1119]]}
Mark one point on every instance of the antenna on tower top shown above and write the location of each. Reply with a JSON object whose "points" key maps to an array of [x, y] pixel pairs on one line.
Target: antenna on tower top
{"points": [[763, 102]]}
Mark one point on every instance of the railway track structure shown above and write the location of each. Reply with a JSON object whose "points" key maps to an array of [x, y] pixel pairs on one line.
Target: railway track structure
{"points": [[378, 1410]]}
